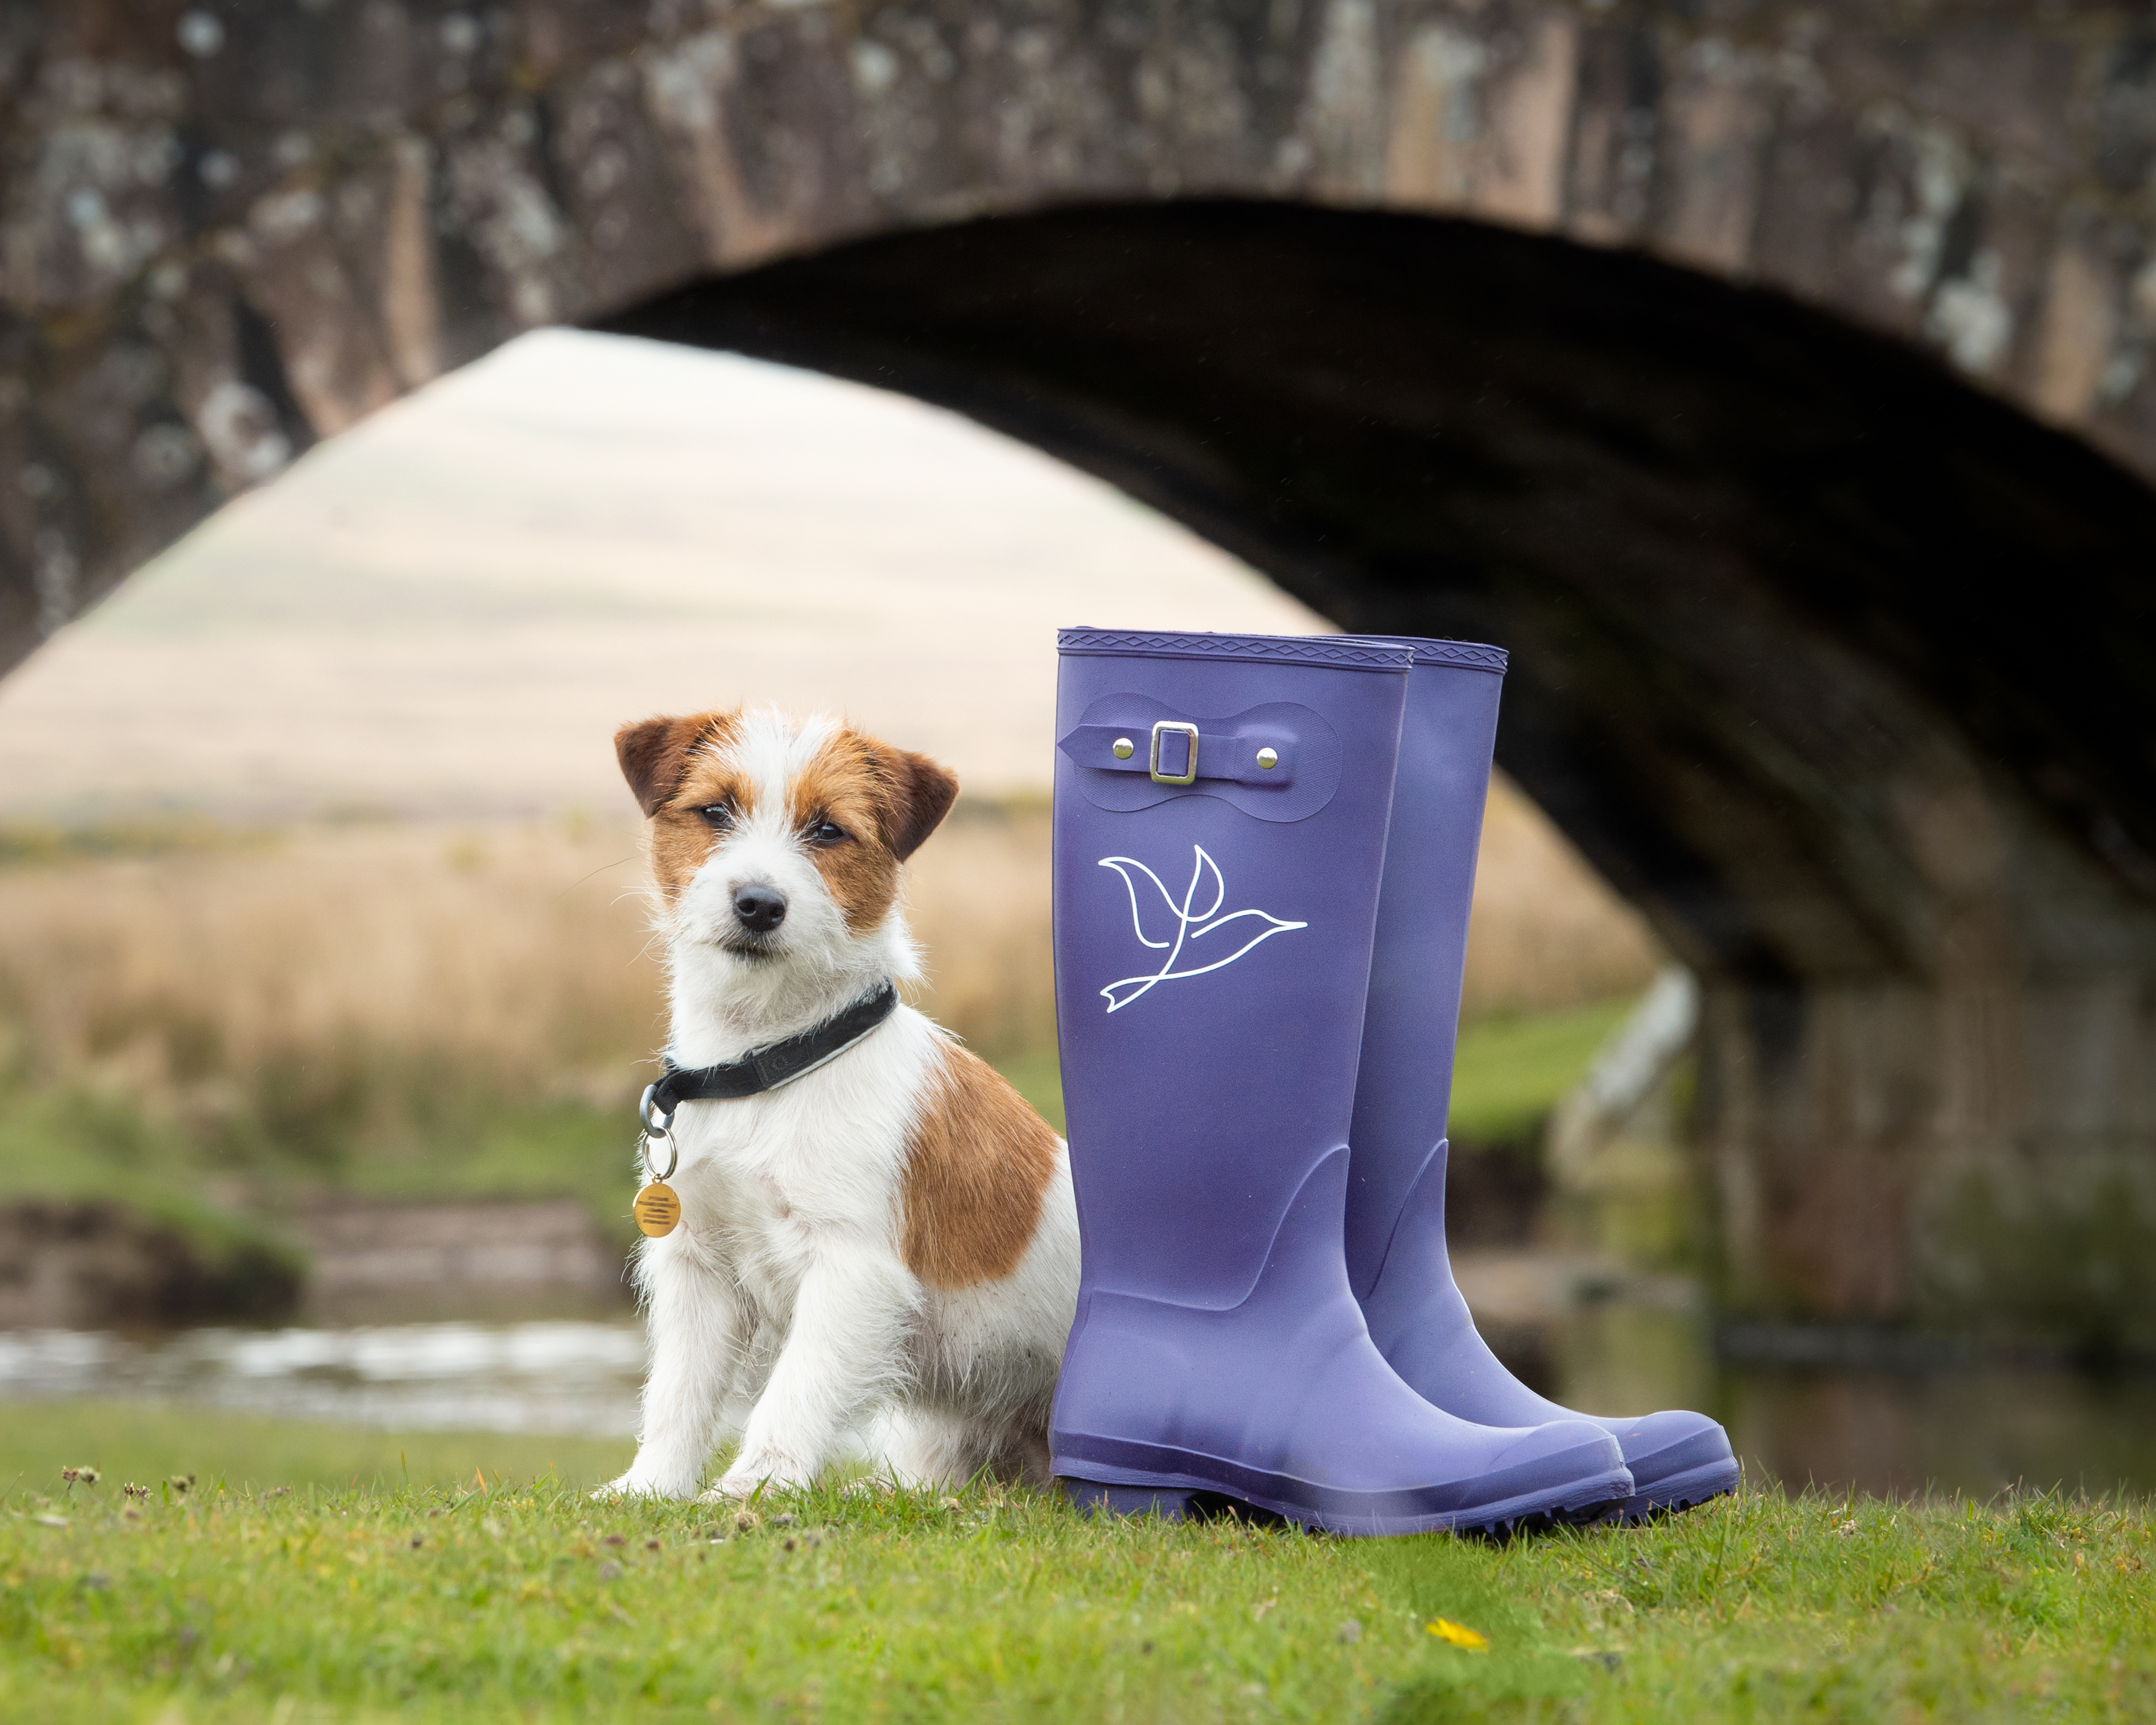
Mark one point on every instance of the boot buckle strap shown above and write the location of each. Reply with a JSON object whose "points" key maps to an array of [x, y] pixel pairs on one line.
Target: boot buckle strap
{"points": [[1172, 727], [1278, 761], [1237, 751]]}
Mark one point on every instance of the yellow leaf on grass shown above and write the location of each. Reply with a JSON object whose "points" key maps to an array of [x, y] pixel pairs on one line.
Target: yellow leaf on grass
{"points": [[1446, 1630]]}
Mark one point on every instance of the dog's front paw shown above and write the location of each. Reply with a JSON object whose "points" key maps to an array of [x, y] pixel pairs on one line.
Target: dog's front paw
{"points": [[633, 1484], [761, 1471]]}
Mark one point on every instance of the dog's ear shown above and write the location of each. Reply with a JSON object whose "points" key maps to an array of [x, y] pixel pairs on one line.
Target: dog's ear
{"points": [[654, 754], [917, 794]]}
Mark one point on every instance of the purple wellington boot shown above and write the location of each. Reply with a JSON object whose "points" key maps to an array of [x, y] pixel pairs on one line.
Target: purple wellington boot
{"points": [[1220, 811], [1396, 1253]]}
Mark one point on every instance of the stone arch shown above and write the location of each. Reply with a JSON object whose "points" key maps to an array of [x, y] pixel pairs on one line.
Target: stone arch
{"points": [[228, 230]]}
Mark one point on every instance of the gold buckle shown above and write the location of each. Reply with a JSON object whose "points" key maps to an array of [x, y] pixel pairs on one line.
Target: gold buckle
{"points": [[1152, 769]]}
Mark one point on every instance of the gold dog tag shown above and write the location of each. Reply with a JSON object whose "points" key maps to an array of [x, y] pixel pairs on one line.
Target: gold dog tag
{"points": [[657, 1210]]}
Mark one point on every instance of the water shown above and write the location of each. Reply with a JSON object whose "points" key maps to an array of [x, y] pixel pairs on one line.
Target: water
{"points": [[1889, 1428], [1893, 1426], [577, 1378]]}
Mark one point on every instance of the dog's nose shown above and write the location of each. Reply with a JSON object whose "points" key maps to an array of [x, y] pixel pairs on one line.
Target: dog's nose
{"points": [[759, 910]]}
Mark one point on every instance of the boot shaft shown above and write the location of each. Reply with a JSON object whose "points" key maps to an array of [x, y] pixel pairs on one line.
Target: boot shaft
{"points": [[1214, 920], [1404, 1074]]}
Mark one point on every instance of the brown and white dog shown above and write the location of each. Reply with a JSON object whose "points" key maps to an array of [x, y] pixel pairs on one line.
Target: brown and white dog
{"points": [[887, 1241]]}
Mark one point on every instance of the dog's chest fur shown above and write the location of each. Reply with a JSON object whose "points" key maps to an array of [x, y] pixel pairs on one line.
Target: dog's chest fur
{"points": [[768, 1181]]}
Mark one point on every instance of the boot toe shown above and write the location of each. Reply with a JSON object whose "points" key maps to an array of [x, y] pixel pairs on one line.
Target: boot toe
{"points": [[1673, 1441], [1575, 1470], [1677, 1459], [1581, 1448]]}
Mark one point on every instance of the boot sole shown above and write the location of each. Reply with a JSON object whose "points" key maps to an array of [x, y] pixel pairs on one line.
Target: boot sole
{"points": [[1187, 1497], [1681, 1491]]}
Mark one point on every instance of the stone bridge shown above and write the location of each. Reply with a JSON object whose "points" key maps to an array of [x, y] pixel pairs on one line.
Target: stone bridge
{"points": [[1773, 379]]}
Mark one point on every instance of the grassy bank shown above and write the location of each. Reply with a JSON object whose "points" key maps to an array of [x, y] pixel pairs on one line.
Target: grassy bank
{"points": [[446, 1598], [1512, 1071]]}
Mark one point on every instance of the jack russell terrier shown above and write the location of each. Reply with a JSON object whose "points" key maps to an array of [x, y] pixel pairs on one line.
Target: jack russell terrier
{"points": [[874, 1229]]}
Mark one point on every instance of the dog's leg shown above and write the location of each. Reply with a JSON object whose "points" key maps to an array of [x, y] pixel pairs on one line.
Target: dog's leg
{"points": [[1016, 1448], [697, 1326], [1010, 1444], [839, 1359], [930, 1447]]}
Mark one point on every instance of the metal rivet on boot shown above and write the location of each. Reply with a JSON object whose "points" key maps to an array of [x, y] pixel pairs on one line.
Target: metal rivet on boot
{"points": [[1268, 758], [1123, 747]]}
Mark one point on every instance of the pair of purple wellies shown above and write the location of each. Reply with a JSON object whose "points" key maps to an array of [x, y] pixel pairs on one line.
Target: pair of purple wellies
{"points": [[1264, 854]]}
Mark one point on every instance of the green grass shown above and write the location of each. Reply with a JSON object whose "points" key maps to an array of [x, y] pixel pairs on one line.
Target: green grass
{"points": [[147, 1442], [1512, 1072], [568, 1149], [521, 1599]]}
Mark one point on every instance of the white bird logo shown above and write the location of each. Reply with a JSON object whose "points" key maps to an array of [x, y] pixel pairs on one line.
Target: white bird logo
{"points": [[1190, 924]]}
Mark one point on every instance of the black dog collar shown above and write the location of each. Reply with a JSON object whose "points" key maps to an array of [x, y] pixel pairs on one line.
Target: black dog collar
{"points": [[766, 1069]]}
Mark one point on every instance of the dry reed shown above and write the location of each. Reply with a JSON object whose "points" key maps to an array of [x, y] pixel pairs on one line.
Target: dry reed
{"points": [[332, 984]]}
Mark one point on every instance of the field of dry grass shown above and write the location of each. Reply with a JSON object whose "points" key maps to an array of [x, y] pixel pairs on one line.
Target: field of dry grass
{"points": [[308, 987], [316, 973]]}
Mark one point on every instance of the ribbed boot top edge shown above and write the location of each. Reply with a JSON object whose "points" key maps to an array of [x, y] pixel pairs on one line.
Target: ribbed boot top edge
{"points": [[1335, 652], [1460, 655]]}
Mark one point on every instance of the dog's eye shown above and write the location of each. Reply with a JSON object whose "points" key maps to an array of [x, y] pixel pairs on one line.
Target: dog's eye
{"points": [[717, 815], [827, 833]]}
